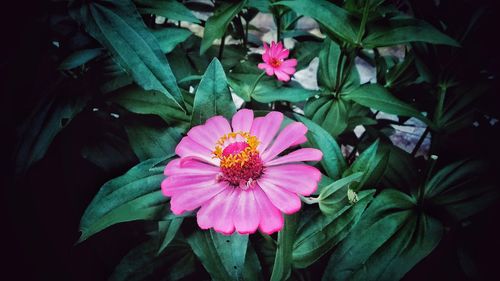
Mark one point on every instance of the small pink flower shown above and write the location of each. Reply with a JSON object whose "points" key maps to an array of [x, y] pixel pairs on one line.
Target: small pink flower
{"points": [[275, 63], [237, 177]]}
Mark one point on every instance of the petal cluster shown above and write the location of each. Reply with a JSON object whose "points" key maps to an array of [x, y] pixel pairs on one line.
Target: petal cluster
{"points": [[275, 62], [250, 194]]}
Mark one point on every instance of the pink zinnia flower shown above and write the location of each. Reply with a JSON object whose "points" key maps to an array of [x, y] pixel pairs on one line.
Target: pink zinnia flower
{"points": [[237, 175], [275, 63]]}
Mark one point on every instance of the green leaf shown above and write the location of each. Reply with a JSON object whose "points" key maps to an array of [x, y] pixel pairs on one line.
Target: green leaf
{"points": [[79, 58], [377, 97], [283, 261], [269, 92], [167, 230], [401, 172], [151, 142], [171, 9], [140, 101], [333, 161], [216, 25], [333, 194], [305, 52], [322, 232], [461, 189], [212, 96], [119, 27], [399, 237], [334, 19], [401, 31], [329, 59], [143, 263], [136, 195], [170, 37], [50, 117], [332, 114], [222, 256]]}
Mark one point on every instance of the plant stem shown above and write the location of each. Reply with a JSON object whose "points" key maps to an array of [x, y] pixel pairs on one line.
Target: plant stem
{"points": [[278, 27], [420, 141], [256, 82], [221, 48], [362, 26]]}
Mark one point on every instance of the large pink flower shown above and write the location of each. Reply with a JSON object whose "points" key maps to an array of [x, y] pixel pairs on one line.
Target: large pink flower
{"points": [[237, 175], [275, 63]]}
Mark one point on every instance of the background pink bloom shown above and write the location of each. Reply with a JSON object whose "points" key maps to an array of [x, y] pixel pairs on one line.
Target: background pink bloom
{"points": [[275, 63], [234, 174]]}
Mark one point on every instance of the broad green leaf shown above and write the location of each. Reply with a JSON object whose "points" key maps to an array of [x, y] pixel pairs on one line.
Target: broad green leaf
{"points": [[143, 263], [212, 96], [371, 163], [332, 196], [167, 229], [461, 189], [220, 254], [401, 172], [322, 232], [282, 267], [216, 25], [334, 19], [79, 58], [46, 121], [119, 27], [304, 52], [269, 92], [333, 160], [377, 97], [136, 195], [330, 113], [140, 101], [329, 60], [387, 242], [401, 31], [170, 37], [152, 142], [171, 9]]}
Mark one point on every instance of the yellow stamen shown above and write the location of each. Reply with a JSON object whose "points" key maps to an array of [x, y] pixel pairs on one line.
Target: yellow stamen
{"points": [[242, 157]]}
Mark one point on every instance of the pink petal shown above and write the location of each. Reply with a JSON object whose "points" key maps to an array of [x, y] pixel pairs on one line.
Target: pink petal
{"points": [[277, 49], [246, 215], [282, 76], [271, 219], [300, 140], [265, 128], [284, 200], [298, 178], [187, 147], [287, 70], [189, 166], [194, 198], [265, 57], [242, 120], [208, 134], [283, 54], [224, 222], [210, 211], [178, 184], [289, 63], [303, 154], [269, 69], [290, 135]]}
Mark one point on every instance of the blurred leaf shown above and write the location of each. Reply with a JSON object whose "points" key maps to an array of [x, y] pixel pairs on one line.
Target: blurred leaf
{"points": [[377, 97], [79, 58], [282, 267], [404, 30], [461, 189], [334, 19], [119, 27], [222, 256], [140, 101], [143, 263], [170, 9], [322, 232], [333, 161], [170, 37], [152, 142], [212, 96], [217, 24], [391, 238], [136, 195]]}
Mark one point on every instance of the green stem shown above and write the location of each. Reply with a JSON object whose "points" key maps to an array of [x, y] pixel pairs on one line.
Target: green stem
{"points": [[221, 48], [256, 82], [362, 26], [420, 141], [278, 28], [245, 39]]}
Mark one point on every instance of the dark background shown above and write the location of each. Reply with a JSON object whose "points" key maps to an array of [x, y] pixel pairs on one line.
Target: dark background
{"points": [[41, 210]]}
